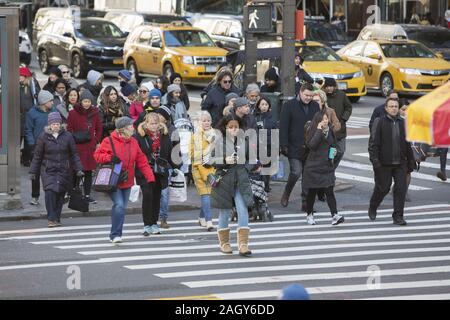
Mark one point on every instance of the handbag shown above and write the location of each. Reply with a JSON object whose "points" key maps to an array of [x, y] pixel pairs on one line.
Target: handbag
{"points": [[214, 178], [78, 201], [107, 176], [160, 166], [83, 136]]}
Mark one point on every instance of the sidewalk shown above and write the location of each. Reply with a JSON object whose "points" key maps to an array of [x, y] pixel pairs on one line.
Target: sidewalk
{"points": [[104, 203]]}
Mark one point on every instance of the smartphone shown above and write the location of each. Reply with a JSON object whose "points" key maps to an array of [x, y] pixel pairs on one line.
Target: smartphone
{"points": [[332, 153]]}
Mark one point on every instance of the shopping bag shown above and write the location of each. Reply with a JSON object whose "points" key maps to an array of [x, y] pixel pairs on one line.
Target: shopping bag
{"points": [[78, 201], [107, 177], [134, 193], [177, 187]]}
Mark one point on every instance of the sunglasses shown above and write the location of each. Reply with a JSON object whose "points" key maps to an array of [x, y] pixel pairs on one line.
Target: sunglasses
{"points": [[226, 81], [143, 91], [65, 72]]}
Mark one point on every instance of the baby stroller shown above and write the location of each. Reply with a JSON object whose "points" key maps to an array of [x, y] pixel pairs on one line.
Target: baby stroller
{"points": [[260, 210]]}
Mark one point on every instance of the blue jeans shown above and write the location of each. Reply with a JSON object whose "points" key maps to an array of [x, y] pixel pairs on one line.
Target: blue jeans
{"points": [[241, 208], [164, 203], [205, 211], [120, 201]]}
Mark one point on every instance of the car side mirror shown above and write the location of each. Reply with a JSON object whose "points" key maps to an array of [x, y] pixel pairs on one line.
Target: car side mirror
{"points": [[125, 34], [68, 35], [236, 35], [375, 56], [157, 44], [219, 44]]}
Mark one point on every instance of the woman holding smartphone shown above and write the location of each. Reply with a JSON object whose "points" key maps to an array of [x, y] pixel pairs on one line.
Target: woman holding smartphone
{"points": [[319, 172]]}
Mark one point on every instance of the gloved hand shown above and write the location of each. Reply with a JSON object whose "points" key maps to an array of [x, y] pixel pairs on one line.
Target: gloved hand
{"points": [[80, 174], [32, 176], [284, 151], [115, 159]]}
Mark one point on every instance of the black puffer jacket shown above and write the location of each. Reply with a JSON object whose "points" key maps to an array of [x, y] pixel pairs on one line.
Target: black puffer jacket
{"points": [[53, 159], [215, 102]]}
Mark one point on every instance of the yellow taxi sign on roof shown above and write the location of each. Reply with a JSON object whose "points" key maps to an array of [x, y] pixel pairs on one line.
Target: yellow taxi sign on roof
{"points": [[391, 32]]}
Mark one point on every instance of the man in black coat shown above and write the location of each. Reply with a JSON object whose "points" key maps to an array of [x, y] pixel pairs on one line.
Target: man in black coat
{"points": [[381, 110], [294, 115], [215, 99], [391, 156]]}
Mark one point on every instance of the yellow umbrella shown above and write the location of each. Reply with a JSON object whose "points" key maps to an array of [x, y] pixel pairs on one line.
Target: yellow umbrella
{"points": [[428, 118]]}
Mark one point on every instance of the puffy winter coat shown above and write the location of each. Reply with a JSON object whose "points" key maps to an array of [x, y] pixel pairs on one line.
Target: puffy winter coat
{"points": [[343, 107], [319, 170], [53, 158], [200, 151], [35, 122], [131, 155], [136, 108], [81, 119]]}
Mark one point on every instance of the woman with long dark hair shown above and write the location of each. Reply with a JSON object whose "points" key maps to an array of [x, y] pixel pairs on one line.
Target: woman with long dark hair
{"points": [[111, 108], [319, 172]]}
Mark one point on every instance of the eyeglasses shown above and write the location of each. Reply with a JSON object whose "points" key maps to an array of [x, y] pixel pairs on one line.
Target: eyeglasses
{"points": [[143, 91], [65, 71], [226, 81]]}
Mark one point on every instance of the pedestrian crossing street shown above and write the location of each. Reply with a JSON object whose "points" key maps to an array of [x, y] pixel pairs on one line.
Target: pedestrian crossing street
{"points": [[362, 171], [359, 259]]}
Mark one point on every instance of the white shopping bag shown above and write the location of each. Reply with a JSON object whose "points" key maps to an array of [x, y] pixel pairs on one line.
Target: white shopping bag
{"points": [[134, 194], [177, 187]]}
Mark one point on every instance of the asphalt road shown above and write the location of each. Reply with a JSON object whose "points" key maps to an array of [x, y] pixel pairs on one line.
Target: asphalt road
{"points": [[359, 259]]}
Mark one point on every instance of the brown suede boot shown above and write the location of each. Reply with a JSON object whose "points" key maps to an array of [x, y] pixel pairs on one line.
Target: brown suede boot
{"points": [[224, 240], [164, 224], [242, 240]]}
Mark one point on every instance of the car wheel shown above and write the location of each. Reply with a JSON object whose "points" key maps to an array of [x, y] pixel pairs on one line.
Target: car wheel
{"points": [[386, 84], [354, 99], [168, 70], [78, 70], [43, 62], [131, 66]]}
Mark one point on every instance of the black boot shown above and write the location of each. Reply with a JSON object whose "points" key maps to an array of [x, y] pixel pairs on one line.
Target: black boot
{"points": [[288, 189]]}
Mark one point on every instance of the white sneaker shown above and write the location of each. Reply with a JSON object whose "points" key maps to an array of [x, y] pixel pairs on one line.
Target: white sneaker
{"points": [[34, 201], [117, 240], [337, 219], [310, 219], [202, 222], [209, 226]]}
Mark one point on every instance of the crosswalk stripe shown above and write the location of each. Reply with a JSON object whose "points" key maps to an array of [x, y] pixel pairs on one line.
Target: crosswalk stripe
{"points": [[265, 243], [356, 137], [366, 167], [336, 289], [352, 177], [306, 257], [45, 230], [315, 276], [437, 296], [422, 164], [378, 262], [273, 226]]}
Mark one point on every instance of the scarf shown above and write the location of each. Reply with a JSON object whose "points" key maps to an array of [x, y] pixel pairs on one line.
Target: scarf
{"points": [[115, 110], [156, 145]]}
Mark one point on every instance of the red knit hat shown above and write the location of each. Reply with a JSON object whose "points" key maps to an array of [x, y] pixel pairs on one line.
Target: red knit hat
{"points": [[25, 72]]}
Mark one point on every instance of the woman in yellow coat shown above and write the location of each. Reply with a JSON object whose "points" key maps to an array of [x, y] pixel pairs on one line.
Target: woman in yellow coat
{"points": [[201, 144]]}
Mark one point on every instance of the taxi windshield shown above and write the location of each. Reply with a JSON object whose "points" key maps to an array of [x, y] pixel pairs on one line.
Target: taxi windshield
{"points": [[406, 50], [99, 29], [317, 53], [187, 38]]}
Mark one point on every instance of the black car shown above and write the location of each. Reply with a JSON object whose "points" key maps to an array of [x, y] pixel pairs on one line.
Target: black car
{"points": [[329, 34], [435, 38], [94, 44]]}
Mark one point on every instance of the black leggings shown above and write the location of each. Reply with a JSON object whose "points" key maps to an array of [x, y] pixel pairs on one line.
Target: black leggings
{"points": [[151, 197], [331, 199]]}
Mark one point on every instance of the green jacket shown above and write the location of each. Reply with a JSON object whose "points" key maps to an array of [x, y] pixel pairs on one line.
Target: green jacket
{"points": [[343, 107]]}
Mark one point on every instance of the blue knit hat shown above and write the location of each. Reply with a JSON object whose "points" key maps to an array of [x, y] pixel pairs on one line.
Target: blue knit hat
{"points": [[129, 89], [54, 117], [155, 93], [125, 74], [294, 292]]}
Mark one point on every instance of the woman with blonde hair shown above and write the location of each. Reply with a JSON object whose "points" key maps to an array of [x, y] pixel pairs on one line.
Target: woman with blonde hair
{"points": [[321, 98], [154, 141], [200, 152]]}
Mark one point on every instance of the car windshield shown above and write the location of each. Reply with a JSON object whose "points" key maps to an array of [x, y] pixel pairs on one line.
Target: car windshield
{"points": [[187, 38], [317, 53], [325, 33], [406, 51], [432, 39], [99, 29]]}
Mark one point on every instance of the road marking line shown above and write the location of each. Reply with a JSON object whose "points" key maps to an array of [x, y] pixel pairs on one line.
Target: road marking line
{"points": [[422, 164], [437, 296], [356, 137], [351, 177]]}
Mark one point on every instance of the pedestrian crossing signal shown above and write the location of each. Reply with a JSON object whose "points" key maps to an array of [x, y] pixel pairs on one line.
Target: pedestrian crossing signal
{"points": [[259, 19]]}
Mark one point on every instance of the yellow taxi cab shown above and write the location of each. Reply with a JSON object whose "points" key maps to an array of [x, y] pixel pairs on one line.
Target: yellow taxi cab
{"points": [[392, 62], [319, 62], [167, 48]]}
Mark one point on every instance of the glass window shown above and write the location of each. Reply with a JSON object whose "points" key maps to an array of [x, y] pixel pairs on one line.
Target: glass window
{"points": [[316, 53], [68, 27], [156, 39], [48, 28], [99, 29], [58, 27], [371, 48], [221, 28], [355, 50], [145, 37], [406, 51], [439, 38], [235, 29], [187, 38]]}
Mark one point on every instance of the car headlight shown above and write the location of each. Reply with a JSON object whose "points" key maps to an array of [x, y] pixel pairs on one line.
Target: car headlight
{"points": [[187, 60], [414, 72], [92, 48], [358, 74]]}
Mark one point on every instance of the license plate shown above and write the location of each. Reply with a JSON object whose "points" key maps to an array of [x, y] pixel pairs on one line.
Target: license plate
{"points": [[118, 61], [210, 68], [436, 83], [342, 85]]}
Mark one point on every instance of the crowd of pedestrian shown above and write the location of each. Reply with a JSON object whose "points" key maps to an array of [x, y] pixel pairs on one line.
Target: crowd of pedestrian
{"points": [[69, 129]]}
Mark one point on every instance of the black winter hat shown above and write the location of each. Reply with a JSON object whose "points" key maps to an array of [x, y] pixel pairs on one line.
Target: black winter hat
{"points": [[271, 74], [330, 82], [174, 76], [55, 70]]}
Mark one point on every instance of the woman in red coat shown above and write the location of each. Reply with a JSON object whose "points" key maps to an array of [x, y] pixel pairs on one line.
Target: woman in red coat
{"points": [[82, 119], [129, 153]]}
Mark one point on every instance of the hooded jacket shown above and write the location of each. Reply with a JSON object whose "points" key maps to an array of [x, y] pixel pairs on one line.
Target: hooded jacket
{"points": [[35, 122]]}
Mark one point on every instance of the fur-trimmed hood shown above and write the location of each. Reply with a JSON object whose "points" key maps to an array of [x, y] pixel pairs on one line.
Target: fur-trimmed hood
{"points": [[162, 129], [49, 131]]}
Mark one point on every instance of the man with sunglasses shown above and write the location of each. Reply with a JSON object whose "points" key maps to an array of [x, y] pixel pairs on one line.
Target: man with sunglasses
{"points": [[71, 82], [215, 100]]}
